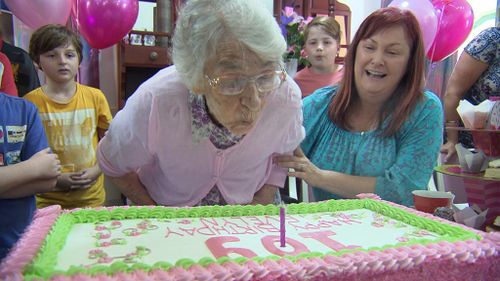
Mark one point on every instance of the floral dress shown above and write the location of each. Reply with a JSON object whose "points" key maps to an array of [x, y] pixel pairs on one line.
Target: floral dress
{"points": [[202, 127]]}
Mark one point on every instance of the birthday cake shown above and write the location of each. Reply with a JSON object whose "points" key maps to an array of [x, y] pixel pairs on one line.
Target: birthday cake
{"points": [[360, 239]]}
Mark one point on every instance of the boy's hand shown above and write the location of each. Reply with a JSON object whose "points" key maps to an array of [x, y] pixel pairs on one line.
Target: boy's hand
{"points": [[46, 164], [66, 181], [80, 180], [91, 173]]}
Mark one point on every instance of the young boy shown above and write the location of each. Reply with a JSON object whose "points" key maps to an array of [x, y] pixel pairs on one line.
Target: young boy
{"points": [[26, 167], [75, 117]]}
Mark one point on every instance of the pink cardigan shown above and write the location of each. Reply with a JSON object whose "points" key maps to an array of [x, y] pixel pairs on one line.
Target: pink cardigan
{"points": [[152, 136]]}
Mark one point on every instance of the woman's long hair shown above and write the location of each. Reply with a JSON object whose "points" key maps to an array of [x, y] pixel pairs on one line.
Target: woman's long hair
{"points": [[410, 88]]}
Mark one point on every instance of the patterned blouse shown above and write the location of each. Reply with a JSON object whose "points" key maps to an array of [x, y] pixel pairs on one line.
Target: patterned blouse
{"points": [[486, 48], [202, 127]]}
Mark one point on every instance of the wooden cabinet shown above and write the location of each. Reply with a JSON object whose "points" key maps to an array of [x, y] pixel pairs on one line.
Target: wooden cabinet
{"points": [[141, 54]]}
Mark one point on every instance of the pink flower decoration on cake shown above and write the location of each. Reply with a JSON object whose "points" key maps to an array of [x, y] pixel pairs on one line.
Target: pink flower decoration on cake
{"points": [[106, 244], [403, 239], [95, 252], [100, 227], [105, 260], [101, 235]]}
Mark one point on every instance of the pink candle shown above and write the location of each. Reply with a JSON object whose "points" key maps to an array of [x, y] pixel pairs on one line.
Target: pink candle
{"points": [[282, 227]]}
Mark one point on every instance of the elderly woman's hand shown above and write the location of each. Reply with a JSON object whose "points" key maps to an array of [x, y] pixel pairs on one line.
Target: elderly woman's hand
{"points": [[302, 167]]}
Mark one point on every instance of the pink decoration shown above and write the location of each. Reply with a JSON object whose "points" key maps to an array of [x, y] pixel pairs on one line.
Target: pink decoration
{"points": [[282, 227], [296, 247], [217, 248], [36, 13], [104, 23], [456, 19], [426, 16]]}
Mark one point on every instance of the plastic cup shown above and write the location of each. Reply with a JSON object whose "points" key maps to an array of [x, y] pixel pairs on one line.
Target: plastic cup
{"points": [[427, 201]]}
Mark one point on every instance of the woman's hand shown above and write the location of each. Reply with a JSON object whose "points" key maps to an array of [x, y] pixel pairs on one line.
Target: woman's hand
{"points": [[449, 149], [302, 167]]}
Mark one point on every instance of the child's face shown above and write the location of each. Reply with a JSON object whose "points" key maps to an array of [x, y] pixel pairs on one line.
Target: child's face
{"points": [[60, 64], [321, 50]]}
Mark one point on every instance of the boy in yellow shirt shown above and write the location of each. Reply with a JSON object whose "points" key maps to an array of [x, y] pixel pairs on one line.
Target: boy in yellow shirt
{"points": [[74, 116]]}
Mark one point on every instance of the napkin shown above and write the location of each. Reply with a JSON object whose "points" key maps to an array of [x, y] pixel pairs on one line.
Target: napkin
{"points": [[475, 116], [471, 217], [471, 161]]}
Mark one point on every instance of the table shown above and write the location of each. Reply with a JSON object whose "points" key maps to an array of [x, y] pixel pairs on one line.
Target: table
{"points": [[482, 191], [455, 170]]}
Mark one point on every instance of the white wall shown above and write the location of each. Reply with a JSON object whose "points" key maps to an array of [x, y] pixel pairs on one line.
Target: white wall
{"points": [[360, 9], [145, 19]]}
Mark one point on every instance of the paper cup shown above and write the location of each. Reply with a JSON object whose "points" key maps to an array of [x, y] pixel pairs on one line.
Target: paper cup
{"points": [[427, 201]]}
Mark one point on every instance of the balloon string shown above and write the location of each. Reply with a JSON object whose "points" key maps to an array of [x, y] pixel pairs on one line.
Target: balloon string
{"points": [[439, 27], [433, 46], [77, 31]]}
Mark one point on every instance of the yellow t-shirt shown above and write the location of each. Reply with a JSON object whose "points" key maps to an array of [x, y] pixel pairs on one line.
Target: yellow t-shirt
{"points": [[71, 130]]}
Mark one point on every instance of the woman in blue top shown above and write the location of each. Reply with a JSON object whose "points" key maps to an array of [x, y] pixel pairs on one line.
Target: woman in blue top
{"points": [[378, 132]]}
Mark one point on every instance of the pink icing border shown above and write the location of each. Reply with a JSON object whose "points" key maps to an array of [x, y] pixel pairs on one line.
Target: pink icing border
{"points": [[26, 248], [464, 260]]}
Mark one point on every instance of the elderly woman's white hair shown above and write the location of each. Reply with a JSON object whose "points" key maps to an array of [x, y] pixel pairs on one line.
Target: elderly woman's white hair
{"points": [[203, 24]]}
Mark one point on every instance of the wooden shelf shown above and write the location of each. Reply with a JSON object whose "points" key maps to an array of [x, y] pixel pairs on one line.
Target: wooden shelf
{"points": [[141, 55]]}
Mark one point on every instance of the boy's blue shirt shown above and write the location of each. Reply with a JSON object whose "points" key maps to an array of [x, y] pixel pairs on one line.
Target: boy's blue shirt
{"points": [[21, 136]]}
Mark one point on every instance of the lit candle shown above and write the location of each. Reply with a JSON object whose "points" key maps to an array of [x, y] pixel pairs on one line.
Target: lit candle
{"points": [[282, 226]]}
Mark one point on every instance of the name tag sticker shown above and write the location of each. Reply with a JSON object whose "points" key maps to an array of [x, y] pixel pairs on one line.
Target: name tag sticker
{"points": [[16, 134], [13, 157]]}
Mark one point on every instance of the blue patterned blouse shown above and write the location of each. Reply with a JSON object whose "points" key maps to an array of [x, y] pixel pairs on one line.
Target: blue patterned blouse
{"points": [[401, 163], [486, 48]]}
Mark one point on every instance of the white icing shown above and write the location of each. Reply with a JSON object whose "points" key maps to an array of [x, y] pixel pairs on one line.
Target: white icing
{"points": [[170, 240]]}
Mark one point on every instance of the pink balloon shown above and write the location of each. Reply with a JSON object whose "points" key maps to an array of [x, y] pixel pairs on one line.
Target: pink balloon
{"points": [[426, 16], [104, 23], [455, 24], [36, 13]]}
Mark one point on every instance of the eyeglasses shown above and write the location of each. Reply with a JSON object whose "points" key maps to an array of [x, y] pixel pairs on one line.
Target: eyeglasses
{"points": [[230, 85]]}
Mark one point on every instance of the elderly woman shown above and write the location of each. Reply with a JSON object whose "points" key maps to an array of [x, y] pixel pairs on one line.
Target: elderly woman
{"points": [[204, 131], [379, 131]]}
